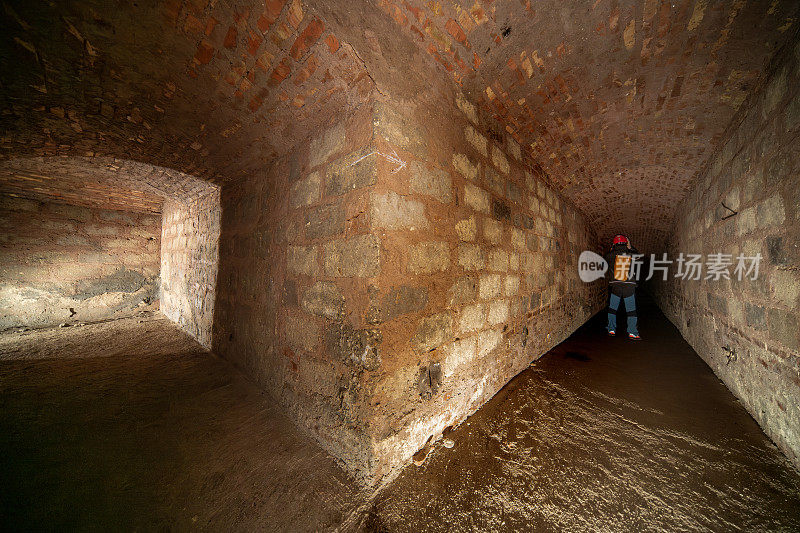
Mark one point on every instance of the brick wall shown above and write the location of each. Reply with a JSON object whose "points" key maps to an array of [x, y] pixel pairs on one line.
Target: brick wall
{"points": [[749, 331], [64, 264], [189, 263], [349, 280]]}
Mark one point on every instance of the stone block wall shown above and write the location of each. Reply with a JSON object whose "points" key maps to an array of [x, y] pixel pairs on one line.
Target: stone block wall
{"points": [[296, 257], [747, 201], [189, 263], [391, 275], [61, 263], [479, 274]]}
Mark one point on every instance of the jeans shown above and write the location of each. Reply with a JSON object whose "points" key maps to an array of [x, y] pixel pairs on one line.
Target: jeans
{"points": [[630, 310]]}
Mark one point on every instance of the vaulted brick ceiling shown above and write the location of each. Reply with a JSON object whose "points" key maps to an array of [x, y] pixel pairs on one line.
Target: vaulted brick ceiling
{"points": [[204, 87], [618, 103]]}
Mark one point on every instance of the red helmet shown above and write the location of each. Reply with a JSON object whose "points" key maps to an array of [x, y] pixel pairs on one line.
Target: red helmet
{"points": [[620, 239]]}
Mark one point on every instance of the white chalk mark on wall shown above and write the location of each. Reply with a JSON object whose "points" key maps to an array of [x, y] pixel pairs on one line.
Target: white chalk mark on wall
{"points": [[393, 157]]}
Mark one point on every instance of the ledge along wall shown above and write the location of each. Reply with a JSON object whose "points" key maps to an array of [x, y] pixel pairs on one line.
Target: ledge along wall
{"points": [[390, 276], [748, 331]]}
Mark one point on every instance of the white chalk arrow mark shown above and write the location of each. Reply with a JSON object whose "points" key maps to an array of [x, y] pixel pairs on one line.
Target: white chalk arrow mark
{"points": [[393, 157]]}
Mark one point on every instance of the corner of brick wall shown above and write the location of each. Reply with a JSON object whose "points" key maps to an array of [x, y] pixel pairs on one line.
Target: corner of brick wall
{"points": [[383, 246], [479, 273], [296, 258]]}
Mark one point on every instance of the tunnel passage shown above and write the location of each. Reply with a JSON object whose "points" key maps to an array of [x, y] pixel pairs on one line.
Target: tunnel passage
{"points": [[402, 189], [94, 239]]}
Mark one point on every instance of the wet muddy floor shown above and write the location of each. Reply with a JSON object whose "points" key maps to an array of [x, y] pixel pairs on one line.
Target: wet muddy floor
{"points": [[130, 425], [602, 434]]}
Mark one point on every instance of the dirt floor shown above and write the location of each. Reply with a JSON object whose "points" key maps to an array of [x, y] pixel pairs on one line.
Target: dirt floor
{"points": [[129, 425]]}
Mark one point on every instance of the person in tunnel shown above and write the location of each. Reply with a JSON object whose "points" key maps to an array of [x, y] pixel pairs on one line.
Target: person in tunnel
{"points": [[623, 274]]}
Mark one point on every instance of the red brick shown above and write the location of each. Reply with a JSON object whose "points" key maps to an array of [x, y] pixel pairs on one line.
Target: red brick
{"points": [[478, 14], [192, 24], [455, 30], [253, 43], [205, 53], [230, 37], [240, 17], [264, 23], [399, 17], [211, 23], [307, 38], [417, 12], [308, 71], [273, 8], [332, 42], [295, 14], [264, 61], [255, 103], [281, 72]]}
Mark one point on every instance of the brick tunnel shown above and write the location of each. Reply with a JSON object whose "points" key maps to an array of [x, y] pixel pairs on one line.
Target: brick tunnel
{"points": [[306, 265]]}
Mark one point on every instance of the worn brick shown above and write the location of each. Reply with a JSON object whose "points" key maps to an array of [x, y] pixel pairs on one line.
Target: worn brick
{"points": [[324, 146], [476, 198], [783, 328], [495, 182], [427, 257], [325, 221], [498, 260], [466, 168], [355, 257], [499, 160], [466, 107], [492, 231], [501, 210], [306, 191], [490, 286], [785, 287], [324, 299], [302, 260], [511, 286], [466, 229], [477, 140], [498, 312], [471, 257], [301, 333], [472, 318], [431, 182], [432, 332], [770, 212], [464, 290], [488, 341], [359, 348], [518, 239], [399, 301], [392, 211], [514, 148], [460, 352], [352, 172]]}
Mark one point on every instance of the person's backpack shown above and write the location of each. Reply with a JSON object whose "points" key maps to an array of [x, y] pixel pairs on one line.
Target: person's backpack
{"points": [[622, 267]]}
